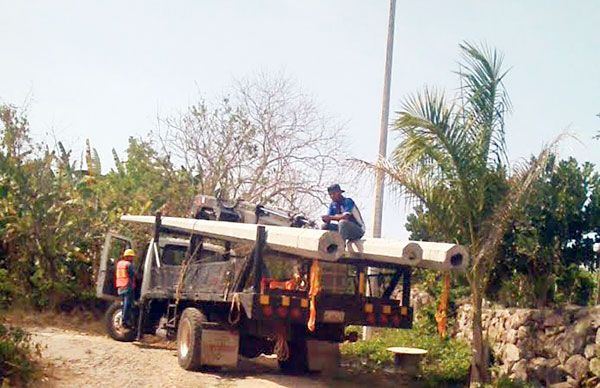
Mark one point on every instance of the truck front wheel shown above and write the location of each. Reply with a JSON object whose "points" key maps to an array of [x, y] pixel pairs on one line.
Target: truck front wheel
{"points": [[189, 338], [113, 320]]}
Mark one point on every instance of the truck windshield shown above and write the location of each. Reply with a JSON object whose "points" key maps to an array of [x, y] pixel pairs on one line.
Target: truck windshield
{"points": [[173, 254]]}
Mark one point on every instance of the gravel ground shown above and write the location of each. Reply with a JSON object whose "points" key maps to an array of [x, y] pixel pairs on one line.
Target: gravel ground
{"points": [[85, 360]]}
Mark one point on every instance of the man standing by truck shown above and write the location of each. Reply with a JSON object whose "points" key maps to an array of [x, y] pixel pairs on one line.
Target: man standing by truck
{"points": [[124, 283], [343, 210]]}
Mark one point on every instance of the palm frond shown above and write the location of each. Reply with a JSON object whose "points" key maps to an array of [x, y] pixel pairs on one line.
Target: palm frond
{"points": [[434, 139], [420, 186], [431, 135], [96, 162], [118, 163], [64, 158], [88, 157], [486, 100]]}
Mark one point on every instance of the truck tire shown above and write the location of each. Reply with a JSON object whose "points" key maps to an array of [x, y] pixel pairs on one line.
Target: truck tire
{"points": [[297, 362], [189, 338], [113, 320]]}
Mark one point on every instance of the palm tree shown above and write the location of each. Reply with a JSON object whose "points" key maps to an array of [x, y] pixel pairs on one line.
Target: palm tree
{"points": [[452, 161]]}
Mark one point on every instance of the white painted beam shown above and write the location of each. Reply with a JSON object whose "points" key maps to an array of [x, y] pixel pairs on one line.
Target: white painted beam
{"points": [[325, 245], [386, 251], [309, 243], [443, 256]]}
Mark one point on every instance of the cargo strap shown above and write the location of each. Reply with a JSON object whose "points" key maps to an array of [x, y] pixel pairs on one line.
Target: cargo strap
{"points": [[235, 306], [315, 288], [281, 348], [182, 273]]}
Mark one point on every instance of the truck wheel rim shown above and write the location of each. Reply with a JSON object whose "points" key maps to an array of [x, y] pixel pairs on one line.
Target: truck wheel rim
{"points": [[186, 338], [118, 322]]}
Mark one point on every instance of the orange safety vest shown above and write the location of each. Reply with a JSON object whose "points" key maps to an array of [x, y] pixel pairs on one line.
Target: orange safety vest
{"points": [[122, 274]]}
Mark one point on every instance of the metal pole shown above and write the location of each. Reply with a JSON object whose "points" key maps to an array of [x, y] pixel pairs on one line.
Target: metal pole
{"points": [[259, 247], [596, 248], [383, 127], [383, 132]]}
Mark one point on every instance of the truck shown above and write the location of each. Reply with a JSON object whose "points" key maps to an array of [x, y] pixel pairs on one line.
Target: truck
{"points": [[220, 296]]}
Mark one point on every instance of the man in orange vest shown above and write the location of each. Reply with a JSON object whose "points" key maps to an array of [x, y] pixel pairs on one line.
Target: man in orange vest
{"points": [[124, 283]]}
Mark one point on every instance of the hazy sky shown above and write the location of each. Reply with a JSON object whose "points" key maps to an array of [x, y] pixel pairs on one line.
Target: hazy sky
{"points": [[104, 70]]}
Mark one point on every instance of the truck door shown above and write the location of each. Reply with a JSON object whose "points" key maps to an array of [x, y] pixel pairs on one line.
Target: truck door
{"points": [[114, 246]]}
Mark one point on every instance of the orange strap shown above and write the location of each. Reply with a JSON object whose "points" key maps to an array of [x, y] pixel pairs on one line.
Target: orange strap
{"points": [[315, 288], [441, 316], [288, 285]]}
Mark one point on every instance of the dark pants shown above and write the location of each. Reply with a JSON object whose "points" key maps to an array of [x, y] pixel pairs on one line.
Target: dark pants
{"points": [[127, 306], [348, 229]]}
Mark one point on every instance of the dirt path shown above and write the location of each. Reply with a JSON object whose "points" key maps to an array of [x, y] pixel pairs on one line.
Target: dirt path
{"points": [[86, 360]]}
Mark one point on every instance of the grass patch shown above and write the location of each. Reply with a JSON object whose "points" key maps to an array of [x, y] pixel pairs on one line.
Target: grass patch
{"points": [[18, 357], [447, 360]]}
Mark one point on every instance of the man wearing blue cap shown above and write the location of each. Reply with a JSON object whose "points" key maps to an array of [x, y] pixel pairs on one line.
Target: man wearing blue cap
{"points": [[343, 215]]}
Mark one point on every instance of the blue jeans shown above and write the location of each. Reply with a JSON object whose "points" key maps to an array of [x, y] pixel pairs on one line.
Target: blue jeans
{"points": [[127, 306], [348, 229]]}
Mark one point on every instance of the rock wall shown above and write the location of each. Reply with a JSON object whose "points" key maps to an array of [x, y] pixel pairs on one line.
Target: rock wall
{"points": [[547, 347]]}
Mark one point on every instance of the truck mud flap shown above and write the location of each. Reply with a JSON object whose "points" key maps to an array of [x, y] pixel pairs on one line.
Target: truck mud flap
{"points": [[219, 347], [323, 356]]}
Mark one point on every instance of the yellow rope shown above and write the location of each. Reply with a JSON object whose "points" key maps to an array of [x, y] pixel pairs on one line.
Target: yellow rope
{"points": [[315, 288], [441, 316]]}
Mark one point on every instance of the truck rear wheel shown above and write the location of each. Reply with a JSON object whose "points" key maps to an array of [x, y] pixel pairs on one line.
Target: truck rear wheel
{"points": [[189, 338], [113, 320], [297, 362]]}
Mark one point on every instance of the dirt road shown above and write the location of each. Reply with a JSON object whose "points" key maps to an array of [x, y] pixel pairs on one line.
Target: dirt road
{"points": [[86, 360]]}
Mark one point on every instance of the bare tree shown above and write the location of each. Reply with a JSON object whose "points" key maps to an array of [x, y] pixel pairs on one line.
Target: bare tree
{"points": [[265, 142]]}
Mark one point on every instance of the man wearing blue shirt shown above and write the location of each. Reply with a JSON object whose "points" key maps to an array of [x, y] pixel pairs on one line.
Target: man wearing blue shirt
{"points": [[343, 215]]}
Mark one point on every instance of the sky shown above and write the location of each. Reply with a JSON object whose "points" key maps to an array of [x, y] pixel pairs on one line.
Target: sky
{"points": [[106, 70]]}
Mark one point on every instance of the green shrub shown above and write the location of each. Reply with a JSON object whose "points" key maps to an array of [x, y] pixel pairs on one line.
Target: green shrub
{"points": [[575, 285], [584, 288], [447, 360], [17, 356], [7, 289], [515, 290]]}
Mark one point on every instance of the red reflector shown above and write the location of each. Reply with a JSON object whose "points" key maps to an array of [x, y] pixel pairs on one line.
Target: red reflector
{"points": [[396, 320], [267, 311], [384, 319], [296, 313], [282, 311], [371, 319]]}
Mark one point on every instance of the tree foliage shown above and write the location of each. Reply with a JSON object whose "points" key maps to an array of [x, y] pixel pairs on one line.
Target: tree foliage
{"points": [[265, 142], [53, 217], [551, 238]]}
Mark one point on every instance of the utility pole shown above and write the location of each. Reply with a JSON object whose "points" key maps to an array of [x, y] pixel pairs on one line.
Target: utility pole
{"points": [[596, 248], [383, 132]]}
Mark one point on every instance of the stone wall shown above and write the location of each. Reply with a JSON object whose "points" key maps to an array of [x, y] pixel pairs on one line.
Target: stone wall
{"points": [[543, 346]]}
